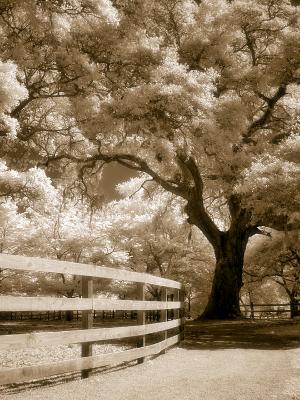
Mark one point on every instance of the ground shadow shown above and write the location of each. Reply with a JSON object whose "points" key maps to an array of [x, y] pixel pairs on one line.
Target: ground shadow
{"points": [[242, 334], [15, 388], [202, 335]]}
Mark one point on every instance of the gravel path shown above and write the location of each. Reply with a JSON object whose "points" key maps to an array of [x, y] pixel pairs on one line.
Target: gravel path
{"points": [[228, 374], [217, 362], [48, 354]]}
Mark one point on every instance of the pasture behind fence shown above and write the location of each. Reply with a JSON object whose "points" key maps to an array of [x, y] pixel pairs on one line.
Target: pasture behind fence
{"points": [[86, 309]]}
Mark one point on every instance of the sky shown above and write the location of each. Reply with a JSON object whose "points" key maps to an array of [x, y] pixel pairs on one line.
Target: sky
{"points": [[113, 174]]}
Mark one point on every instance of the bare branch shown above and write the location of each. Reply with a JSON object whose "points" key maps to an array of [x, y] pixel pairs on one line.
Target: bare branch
{"points": [[142, 186]]}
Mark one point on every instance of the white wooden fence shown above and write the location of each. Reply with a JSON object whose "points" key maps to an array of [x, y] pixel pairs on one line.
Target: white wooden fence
{"points": [[88, 304]]}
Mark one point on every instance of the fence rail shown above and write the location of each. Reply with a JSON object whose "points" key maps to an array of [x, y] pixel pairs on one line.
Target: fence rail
{"points": [[13, 303], [23, 374], [88, 304], [27, 340], [66, 267], [285, 310]]}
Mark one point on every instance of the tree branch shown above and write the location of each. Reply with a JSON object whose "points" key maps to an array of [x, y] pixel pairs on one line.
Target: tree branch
{"points": [[266, 116], [279, 223], [250, 44], [195, 209], [128, 160], [16, 112]]}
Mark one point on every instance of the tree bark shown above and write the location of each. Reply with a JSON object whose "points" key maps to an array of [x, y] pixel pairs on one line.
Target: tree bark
{"points": [[223, 302], [294, 305]]}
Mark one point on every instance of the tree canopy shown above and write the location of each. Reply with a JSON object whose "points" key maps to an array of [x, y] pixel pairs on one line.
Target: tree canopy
{"points": [[202, 96]]}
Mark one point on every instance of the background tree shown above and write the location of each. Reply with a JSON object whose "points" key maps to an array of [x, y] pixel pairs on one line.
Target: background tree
{"points": [[155, 238], [21, 193], [200, 96], [277, 259], [65, 229]]}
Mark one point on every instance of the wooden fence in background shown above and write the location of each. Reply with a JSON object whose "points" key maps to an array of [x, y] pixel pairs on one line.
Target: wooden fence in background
{"points": [[269, 311], [88, 304]]}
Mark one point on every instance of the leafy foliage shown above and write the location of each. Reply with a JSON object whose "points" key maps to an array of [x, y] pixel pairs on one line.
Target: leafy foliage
{"points": [[276, 259], [201, 96]]}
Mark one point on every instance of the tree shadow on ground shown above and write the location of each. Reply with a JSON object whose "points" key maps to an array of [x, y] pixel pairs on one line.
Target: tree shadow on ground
{"points": [[242, 334]]}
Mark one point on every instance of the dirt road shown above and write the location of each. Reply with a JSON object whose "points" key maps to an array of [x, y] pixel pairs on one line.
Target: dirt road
{"points": [[225, 361]]}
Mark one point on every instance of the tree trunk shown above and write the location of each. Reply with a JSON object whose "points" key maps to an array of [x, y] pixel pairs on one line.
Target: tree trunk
{"points": [[69, 315], [293, 305], [223, 302]]}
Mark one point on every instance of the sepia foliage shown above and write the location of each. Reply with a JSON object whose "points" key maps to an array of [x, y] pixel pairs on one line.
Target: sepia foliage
{"points": [[202, 97]]}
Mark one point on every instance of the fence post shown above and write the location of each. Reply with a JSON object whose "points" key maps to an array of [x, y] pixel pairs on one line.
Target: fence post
{"points": [[177, 297], [141, 320], [87, 319], [251, 310], [182, 314], [163, 313]]}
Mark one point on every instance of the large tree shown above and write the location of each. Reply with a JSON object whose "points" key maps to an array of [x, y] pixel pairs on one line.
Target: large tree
{"points": [[202, 96]]}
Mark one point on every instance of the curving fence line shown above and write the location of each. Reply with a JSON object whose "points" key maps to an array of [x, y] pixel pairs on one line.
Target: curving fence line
{"points": [[88, 304]]}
